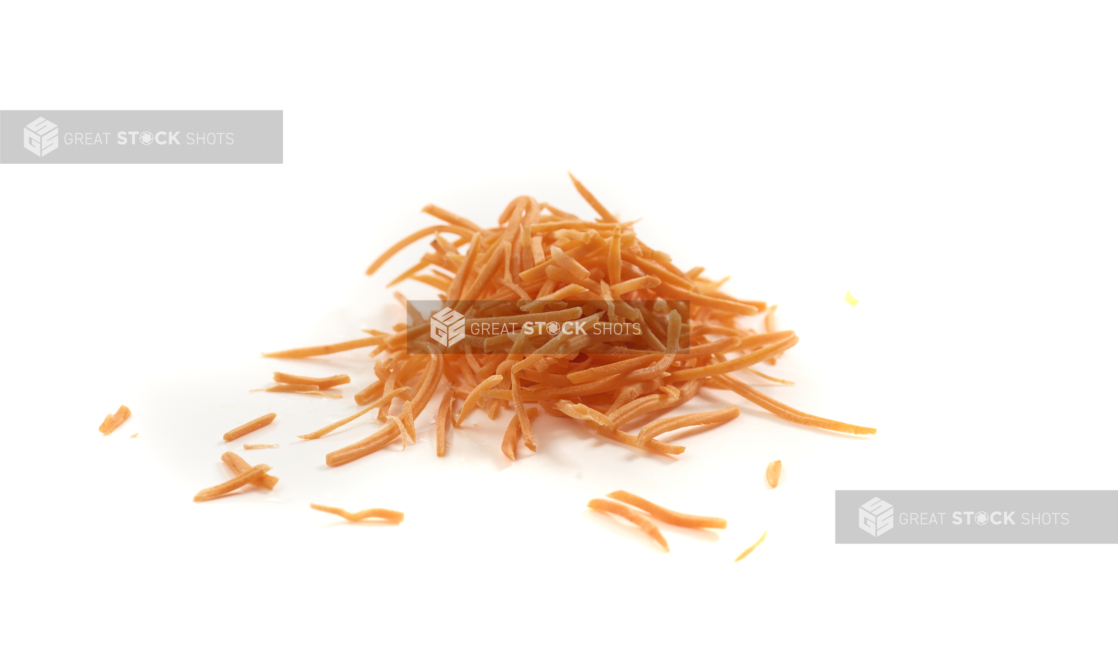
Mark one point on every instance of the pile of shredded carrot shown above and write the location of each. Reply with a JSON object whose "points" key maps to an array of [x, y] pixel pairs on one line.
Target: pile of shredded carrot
{"points": [[534, 265]]}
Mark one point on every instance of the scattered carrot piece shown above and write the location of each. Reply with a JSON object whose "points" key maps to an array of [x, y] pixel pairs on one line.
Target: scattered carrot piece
{"points": [[606, 506], [657, 427], [250, 426], [752, 547], [667, 515], [114, 420], [259, 446], [291, 388], [249, 476], [239, 465], [385, 514], [772, 473], [786, 412], [321, 382], [440, 421], [318, 350]]}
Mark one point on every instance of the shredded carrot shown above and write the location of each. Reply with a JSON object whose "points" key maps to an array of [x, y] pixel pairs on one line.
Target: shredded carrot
{"points": [[606, 506], [568, 263], [653, 446], [540, 265], [319, 433], [409, 420], [403, 430], [291, 388], [408, 240], [762, 375], [752, 547], [613, 265], [319, 350], [772, 473], [635, 284], [249, 476], [250, 426], [592, 201], [583, 412], [384, 514], [452, 218], [770, 326], [474, 396], [667, 515], [657, 427], [114, 420], [366, 395], [445, 407], [375, 442], [608, 370], [513, 432], [769, 322], [321, 382], [259, 446], [319, 393], [788, 413], [735, 364], [522, 415], [239, 466]]}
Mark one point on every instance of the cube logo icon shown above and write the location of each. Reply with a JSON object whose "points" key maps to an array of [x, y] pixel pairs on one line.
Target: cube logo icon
{"points": [[448, 327], [40, 137], [875, 517]]}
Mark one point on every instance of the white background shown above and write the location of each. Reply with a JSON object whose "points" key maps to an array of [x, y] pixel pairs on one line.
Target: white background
{"points": [[950, 164]]}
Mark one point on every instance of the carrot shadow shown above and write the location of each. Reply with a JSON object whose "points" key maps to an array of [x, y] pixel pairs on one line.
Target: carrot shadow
{"points": [[359, 524]]}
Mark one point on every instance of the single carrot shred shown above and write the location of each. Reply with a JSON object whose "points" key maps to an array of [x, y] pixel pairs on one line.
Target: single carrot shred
{"points": [[394, 517], [772, 473], [321, 382], [250, 426], [752, 547], [667, 515], [114, 420], [246, 477], [606, 506]]}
